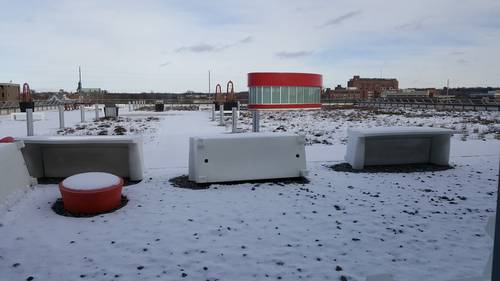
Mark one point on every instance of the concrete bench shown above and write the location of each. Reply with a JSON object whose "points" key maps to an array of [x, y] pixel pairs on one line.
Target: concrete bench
{"points": [[64, 156], [14, 174], [249, 156], [398, 145]]}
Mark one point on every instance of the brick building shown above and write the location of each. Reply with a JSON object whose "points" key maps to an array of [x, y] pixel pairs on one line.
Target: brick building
{"points": [[339, 93], [9, 92], [408, 93], [372, 87]]}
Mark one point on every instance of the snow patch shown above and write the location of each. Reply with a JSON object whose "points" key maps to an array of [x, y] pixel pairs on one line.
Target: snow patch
{"points": [[89, 181]]}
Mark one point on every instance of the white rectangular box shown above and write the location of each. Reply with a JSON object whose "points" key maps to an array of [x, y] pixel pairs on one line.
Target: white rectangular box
{"points": [[248, 156], [14, 174], [398, 145], [64, 156]]}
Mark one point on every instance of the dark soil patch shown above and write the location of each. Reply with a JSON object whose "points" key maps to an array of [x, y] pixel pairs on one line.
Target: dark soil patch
{"points": [[184, 182], [119, 130], [58, 208], [102, 119], [410, 168]]}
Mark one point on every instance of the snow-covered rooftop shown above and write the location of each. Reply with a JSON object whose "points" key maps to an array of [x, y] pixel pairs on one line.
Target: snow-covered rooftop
{"points": [[417, 226]]}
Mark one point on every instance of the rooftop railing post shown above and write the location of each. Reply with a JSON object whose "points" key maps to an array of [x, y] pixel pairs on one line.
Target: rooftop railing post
{"points": [[234, 115], [221, 115], [255, 121], [29, 122], [82, 113], [96, 111], [61, 116]]}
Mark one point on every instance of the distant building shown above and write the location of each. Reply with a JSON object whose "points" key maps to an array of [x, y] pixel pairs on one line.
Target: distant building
{"points": [[493, 95], [9, 92], [468, 93], [340, 93], [444, 98], [91, 91], [82, 90], [372, 87], [408, 93]]}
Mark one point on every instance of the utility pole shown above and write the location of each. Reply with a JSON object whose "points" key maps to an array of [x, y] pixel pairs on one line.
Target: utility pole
{"points": [[79, 89], [447, 86], [209, 96]]}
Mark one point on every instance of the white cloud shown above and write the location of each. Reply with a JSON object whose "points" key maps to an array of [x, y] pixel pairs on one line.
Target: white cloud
{"points": [[340, 19], [293, 55]]}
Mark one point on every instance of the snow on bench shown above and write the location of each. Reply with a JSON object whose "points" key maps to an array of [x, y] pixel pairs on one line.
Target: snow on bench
{"points": [[14, 175], [248, 156], [398, 145], [64, 156]]}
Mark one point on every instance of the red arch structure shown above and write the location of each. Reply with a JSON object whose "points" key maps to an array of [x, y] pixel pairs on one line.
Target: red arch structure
{"points": [[219, 97], [26, 94], [230, 94], [285, 79]]}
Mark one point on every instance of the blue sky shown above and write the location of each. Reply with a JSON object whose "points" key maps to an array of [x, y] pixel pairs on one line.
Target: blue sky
{"points": [[169, 46]]}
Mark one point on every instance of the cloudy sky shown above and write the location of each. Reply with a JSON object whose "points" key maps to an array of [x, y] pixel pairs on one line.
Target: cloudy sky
{"points": [[170, 45]]}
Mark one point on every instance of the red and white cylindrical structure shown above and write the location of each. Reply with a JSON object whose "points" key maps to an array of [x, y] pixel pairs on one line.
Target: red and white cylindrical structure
{"points": [[284, 90], [91, 193]]}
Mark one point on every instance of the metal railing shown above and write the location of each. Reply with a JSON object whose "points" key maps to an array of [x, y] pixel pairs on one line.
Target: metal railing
{"points": [[458, 104], [42, 105], [13, 106]]}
